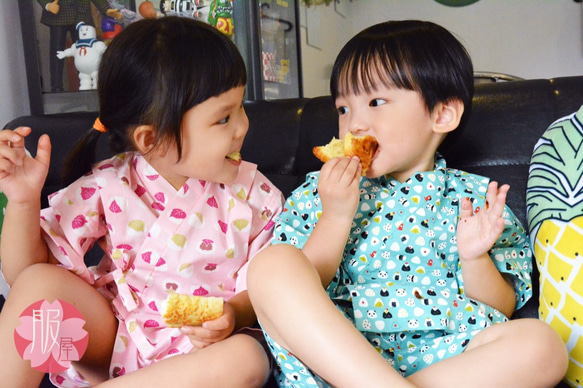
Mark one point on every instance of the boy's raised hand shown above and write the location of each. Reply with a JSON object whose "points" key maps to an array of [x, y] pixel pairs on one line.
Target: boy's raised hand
{"points": [[21, 176], [477, 232]]}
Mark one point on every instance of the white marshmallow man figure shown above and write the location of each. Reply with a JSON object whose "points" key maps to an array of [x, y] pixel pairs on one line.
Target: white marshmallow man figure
{"points": [[87, 52]]}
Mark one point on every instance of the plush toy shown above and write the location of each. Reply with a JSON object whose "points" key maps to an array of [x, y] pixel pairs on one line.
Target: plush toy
{"points": [[555, 216], [87, 52]]}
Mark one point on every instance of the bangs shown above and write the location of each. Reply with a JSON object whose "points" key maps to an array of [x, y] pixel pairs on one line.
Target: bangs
{"points": [[215, 69], [368, 68], [212, 66]]}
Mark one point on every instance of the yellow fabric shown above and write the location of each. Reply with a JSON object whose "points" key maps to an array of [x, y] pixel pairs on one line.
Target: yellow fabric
{"points": [[558, 251]]}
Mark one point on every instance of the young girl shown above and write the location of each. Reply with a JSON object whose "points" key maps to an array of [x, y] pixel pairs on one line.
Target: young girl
{"points": [[408, 276], [174, 211]]}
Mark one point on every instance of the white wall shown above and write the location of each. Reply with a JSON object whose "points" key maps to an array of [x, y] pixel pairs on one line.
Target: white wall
{"points": [[13, 87], [525, 38], [317, 62]]}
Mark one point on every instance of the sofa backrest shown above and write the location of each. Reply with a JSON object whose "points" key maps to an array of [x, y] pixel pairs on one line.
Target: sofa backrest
{"points": [[507, 119]]}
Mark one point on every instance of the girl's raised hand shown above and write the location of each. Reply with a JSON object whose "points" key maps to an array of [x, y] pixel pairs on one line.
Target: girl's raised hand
{"points": [[21, 176], [338, 187], [476, 233], [211, 331]]}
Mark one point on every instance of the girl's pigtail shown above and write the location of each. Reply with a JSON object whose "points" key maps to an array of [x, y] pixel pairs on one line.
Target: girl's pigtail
{"points": [[82, 157]]}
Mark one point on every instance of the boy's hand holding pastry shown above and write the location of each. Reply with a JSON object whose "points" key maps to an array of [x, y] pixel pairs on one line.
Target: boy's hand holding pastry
{"points": [[338, 187], [363, 147], [345, 161]]}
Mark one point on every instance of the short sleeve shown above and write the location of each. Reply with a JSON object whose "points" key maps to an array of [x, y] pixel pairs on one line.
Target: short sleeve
{"points": [[301, 212], [512, 256], [511, 252], [266, 202], [72, 224]]}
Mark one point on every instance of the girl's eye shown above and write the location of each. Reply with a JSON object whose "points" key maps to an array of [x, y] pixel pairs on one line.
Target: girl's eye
{"points": [[377, 102], [342, 110], [225, 120]]}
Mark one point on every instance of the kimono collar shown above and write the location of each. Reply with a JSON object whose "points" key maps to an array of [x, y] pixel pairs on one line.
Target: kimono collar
{"points": [[439, 170], [422, 192]]}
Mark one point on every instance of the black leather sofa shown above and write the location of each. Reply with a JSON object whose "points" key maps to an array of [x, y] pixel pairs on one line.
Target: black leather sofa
{"points": [[507, 119]]}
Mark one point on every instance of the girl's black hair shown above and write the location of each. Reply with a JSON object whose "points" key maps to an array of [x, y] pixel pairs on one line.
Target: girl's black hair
{"points": [[151, 74], [410, 54]]}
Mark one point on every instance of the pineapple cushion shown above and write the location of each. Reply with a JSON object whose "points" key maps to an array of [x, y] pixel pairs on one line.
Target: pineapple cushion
{"points": [[555, 218]]}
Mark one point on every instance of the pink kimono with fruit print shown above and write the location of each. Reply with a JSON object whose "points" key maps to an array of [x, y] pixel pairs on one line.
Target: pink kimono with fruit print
{"points": [[157, 240]]}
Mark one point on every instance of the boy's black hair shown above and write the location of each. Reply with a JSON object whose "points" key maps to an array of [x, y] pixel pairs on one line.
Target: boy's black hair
{"points": [[151, 74], [410, 54]]}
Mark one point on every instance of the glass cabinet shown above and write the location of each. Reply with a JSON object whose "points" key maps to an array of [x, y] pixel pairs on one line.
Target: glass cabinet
{"points": [[266, 32]]}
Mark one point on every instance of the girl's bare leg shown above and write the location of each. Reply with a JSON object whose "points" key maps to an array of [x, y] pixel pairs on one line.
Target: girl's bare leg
{"points": [[295, 310], [50, 282], [238, 361], [518, 353]]}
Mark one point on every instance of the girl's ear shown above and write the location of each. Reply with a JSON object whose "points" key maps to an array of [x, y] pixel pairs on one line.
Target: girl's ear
{"points": [[144, 138], [447, 115]]}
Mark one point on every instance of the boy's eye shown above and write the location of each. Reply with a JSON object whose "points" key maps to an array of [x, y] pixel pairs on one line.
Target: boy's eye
{"points": [[377, 102], [342, 110], [225, 120]]}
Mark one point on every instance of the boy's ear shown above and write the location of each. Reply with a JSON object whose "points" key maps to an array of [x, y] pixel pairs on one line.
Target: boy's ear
{"points": [[447, 115], [144, 138]]}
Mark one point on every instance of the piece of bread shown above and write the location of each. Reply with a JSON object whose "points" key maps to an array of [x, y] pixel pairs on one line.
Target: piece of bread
{"points": [[236, 156], [191, 310], [362, 146]]}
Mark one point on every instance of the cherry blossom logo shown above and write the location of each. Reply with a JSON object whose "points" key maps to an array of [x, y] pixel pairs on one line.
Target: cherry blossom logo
{"points": [[51, 336]]}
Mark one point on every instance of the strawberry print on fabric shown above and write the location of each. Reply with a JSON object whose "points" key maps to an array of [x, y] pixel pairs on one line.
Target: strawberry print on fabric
{"points": [[197, 240]]}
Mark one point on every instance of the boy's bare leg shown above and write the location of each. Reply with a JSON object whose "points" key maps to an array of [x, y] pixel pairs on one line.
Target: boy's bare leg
{"points": [[518, 353], [50, 282], [295, 310]]}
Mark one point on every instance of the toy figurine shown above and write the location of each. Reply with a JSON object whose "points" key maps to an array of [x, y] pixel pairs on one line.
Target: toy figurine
{"points": [[147, 10], [109, 29], [111, 26], [188, 8], [87, 52], [221, 16], [61, 16]]}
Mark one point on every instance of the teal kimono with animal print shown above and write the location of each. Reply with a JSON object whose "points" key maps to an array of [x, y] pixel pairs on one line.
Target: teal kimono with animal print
{"points": [[400, 280]]}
